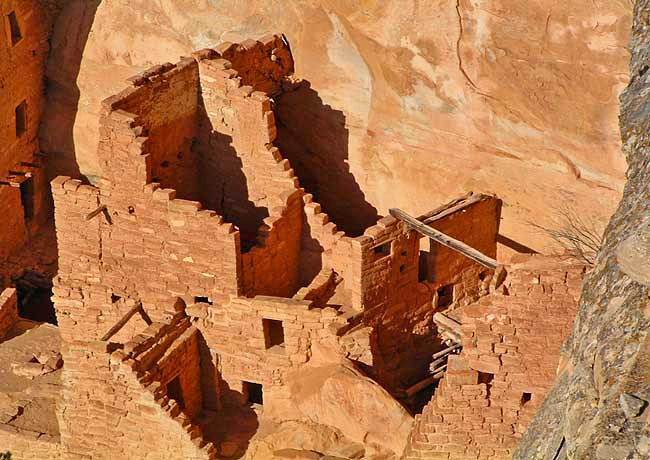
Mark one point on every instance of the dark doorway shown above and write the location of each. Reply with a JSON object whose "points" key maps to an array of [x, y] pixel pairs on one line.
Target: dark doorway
{"points": [[253, 393], [34, 298], [445, 295], [175, 391], [27, 197]]}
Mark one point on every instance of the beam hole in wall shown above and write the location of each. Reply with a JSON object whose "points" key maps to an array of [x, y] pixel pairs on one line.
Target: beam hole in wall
{"points": [[445, 295], [21, 119], [273, 333], [253, 392], [175, 391], [14, 28], [202, 299], [27, 198]]}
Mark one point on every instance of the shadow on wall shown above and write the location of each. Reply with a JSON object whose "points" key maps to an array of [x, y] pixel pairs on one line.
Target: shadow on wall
{"points": [[234, 424], [223, 182], [314, 138], [67, 45]]}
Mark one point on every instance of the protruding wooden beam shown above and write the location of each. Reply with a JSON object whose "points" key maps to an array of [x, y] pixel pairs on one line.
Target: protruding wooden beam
{"points": [[446, 351], [120, 324], [445, 240], [92, 214]]}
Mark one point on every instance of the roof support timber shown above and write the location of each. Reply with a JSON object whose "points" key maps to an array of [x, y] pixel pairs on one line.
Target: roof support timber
{"points": [[445, 240]]}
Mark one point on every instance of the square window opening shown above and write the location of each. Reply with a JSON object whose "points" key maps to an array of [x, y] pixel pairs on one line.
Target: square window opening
{"points": [[175, 391], [485, 377], [445, 295], [254, 393], [14, 28], [382, 250], [526, 398], [202, 299], [273, 333], [21, 119], [27, 198]]}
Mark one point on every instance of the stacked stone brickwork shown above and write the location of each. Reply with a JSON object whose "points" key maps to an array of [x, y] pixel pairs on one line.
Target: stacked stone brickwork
{"points": [[24, 32], [511, 350], [235, 331], [8, 311], [113, 411], [476, 225], [29, 445]]}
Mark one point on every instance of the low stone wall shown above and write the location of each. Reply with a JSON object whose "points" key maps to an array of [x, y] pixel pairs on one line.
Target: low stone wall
{"points": [[8, 311], [29, 445]]}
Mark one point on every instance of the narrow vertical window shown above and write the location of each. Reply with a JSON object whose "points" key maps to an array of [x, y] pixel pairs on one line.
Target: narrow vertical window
{"points": [[14, 28], [21, 119]]}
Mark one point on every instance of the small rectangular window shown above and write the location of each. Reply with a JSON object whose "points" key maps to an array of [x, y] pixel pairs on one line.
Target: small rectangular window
{"points": [[526, 398], [21, 119], [253, 393], [175, 391], [202, 299], [273, 333], [14, 28]]}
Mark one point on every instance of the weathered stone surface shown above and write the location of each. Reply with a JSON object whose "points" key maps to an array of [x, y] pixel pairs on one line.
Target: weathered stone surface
{"points": [[607, 354], [338, 395]]}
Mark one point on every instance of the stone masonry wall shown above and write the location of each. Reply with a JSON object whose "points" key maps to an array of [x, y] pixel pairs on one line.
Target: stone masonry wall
{"points": [[245, 177], [8, 311], [236, 332], [476, 225], [168, 249], [262, 64], [511, 348], [165, 102], [29, 445], [107, 411]]}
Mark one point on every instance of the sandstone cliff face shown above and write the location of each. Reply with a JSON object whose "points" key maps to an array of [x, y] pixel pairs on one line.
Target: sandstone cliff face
{"points": [[598, 408], [423, 99]]}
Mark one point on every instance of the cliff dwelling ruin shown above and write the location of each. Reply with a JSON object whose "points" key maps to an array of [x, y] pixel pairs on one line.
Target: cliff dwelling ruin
{"points": [[224, 281]]}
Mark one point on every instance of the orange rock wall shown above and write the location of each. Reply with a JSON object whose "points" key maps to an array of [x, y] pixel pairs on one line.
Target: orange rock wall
{"points": [[511, 350], [8, 311]]}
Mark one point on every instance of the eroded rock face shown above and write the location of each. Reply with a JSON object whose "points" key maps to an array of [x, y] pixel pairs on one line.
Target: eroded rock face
{"points": [[599, 406], [426, 99]]}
